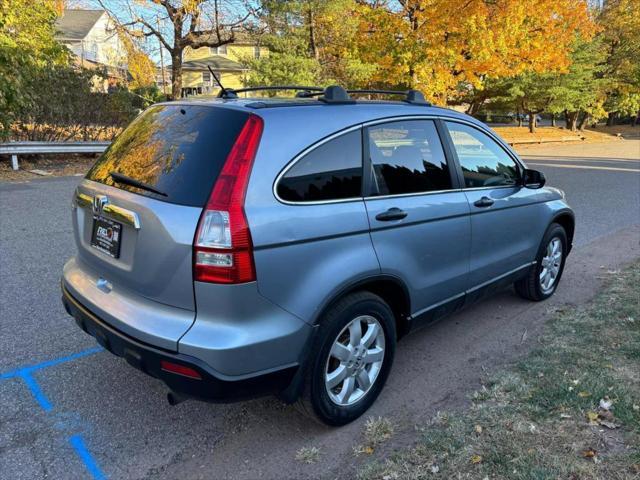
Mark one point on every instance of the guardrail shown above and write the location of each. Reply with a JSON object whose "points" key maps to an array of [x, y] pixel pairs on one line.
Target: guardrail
{"points": [[24, 148]]}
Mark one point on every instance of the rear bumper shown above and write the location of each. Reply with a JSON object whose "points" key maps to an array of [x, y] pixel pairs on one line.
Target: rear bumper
{"points": [[147, 358]]}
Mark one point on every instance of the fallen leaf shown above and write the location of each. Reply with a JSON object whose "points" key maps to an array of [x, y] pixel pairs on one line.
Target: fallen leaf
{"points": [[636, 407], [476, 459], [368, 450], [592, 417], [605, 403], [478, 429], [589, 453], [584, 394], [435, 468], [565, 415], [609, 425]]}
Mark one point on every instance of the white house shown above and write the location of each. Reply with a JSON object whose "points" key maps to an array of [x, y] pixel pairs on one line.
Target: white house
{"points": [[92, 37]]}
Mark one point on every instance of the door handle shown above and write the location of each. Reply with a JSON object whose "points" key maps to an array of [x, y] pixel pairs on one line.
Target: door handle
{"points": [[391, 214], [484, 202]]}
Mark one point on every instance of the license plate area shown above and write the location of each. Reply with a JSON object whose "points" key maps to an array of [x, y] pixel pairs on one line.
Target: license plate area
{"points": [[106, 236]]}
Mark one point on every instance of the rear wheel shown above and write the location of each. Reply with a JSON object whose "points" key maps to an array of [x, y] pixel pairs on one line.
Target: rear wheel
{"points": [[351, 359], [543, 278]]}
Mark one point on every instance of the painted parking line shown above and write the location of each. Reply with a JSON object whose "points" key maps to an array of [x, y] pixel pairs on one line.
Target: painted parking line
{"points": [[76, 441]]}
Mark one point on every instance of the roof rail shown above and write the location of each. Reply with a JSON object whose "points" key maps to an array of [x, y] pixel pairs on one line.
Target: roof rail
{"points": [[233, 92], [333, 94], [414, 97]]}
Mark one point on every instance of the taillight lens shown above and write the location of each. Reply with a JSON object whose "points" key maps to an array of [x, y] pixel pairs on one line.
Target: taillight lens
{"points": [[222, 249]]}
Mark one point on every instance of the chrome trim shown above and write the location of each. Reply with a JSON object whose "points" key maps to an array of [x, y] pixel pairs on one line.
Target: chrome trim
{"points": [[114, 212], [471, 290], [473, 189], [415, 194], [495, 279]]}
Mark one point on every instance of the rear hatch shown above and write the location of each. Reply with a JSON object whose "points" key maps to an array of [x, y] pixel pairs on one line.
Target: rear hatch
{"points": [[139, 206]]}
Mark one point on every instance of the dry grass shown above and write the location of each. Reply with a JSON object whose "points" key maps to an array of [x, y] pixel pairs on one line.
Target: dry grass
{"points": [[55, 165], [553, 134], [549, 416]]}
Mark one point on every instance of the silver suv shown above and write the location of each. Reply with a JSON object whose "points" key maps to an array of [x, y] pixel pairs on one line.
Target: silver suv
{"points": [[233, 247]]}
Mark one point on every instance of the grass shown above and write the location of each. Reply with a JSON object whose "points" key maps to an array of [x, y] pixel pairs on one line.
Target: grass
{"points": [[308, 455], [543, 418]]}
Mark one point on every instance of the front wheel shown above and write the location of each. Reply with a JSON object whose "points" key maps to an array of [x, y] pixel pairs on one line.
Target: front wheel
{"points": [[543, 278], [351, 359]]}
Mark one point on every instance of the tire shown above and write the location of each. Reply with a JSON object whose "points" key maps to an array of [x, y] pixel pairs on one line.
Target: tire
{"points": [[532, 287], [321, 402]]}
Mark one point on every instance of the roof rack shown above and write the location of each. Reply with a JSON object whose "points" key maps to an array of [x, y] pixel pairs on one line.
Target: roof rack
{"points": [[233, 92], [333, 94]]}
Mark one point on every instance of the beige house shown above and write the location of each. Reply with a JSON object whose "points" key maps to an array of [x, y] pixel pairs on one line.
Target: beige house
{"points": [[92, 38], [226, 61]]}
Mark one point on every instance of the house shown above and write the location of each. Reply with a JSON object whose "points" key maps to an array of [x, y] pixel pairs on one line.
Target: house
{"points": [[226, 61], [92, 37]]}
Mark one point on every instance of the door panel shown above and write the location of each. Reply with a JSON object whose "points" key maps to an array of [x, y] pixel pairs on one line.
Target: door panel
{"points": [[507, 220], [420, 226]]}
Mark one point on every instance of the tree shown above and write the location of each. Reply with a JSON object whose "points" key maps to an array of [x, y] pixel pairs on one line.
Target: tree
{"points": [[181, 24], [311, 41], [26, 44], [620, 22], [141, 68], [438, 45]]}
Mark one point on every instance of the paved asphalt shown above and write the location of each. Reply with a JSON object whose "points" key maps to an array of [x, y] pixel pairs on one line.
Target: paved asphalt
{"points": [[70, 411]]}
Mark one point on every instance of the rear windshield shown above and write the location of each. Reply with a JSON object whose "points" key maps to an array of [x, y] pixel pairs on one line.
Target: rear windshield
{"points": [[178, 150]]}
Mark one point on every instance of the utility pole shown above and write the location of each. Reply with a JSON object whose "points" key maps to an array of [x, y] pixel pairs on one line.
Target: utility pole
{"points": [[164, 83]]}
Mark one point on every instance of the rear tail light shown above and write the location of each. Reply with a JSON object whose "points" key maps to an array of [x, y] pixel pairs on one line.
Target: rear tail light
{"points": [[223, 252], [180, 370]]}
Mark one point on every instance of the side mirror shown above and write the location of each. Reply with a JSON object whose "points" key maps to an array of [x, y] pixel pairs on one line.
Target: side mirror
{"points": [[533, 179]]}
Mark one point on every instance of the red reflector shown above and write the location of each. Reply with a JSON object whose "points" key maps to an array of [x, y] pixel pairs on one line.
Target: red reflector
{"points": [[179, 370]]}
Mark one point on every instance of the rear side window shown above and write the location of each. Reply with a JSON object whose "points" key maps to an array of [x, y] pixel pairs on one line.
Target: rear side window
{"points": [[407, 157], [484, 163], [332, 171], [176, 149]]}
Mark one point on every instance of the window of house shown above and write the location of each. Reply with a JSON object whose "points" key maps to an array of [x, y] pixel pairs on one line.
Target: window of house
{"points": [[332, 171], [206, 78], [407, 157], [484, 163]]}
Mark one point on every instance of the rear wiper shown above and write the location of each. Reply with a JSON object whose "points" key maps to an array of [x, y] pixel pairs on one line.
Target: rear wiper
{"points": [[120, 178]]}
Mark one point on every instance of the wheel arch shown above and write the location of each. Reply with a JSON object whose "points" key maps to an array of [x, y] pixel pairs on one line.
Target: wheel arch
{"points": [[388, 287], [566, 219]]}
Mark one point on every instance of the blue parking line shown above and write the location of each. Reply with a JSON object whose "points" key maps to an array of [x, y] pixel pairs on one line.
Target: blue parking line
{"points": [[76, 441], [36, 391], [78, 445], [19, 372]]}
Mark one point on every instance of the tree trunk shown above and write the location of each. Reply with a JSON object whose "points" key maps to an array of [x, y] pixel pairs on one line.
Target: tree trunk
{"points": [[553, 119], [572, 119], [519, 114], [313, 49], [532, 122], [636, 119], [176, 75], [584, 121], [611, 119]]}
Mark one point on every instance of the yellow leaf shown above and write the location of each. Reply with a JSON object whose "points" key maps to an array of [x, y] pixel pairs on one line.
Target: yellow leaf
{"points": [[368, 450], [584, 394], [593, 417], [476, 459]]}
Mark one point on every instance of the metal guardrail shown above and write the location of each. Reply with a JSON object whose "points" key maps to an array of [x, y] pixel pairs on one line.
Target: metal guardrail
{"points": [[23, 148]]}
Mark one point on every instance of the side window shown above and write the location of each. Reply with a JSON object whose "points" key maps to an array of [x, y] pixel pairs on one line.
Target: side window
{"points": [[484, 163], [407, 157], [332, 171]]}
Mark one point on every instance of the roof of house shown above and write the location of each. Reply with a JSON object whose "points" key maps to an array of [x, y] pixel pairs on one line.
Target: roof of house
{"points": [[76, 24], [216, 62]]}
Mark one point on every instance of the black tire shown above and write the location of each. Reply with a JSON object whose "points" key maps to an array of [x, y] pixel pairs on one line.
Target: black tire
{"points": [[529, 287], [315, 400]]}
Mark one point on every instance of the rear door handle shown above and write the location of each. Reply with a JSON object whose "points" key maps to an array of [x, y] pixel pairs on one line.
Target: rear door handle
{"points": [[391, 214], [484, 202]]}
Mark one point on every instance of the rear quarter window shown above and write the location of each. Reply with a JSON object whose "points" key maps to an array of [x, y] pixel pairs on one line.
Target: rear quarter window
{"points": [[176, 149], [331, 171]]}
